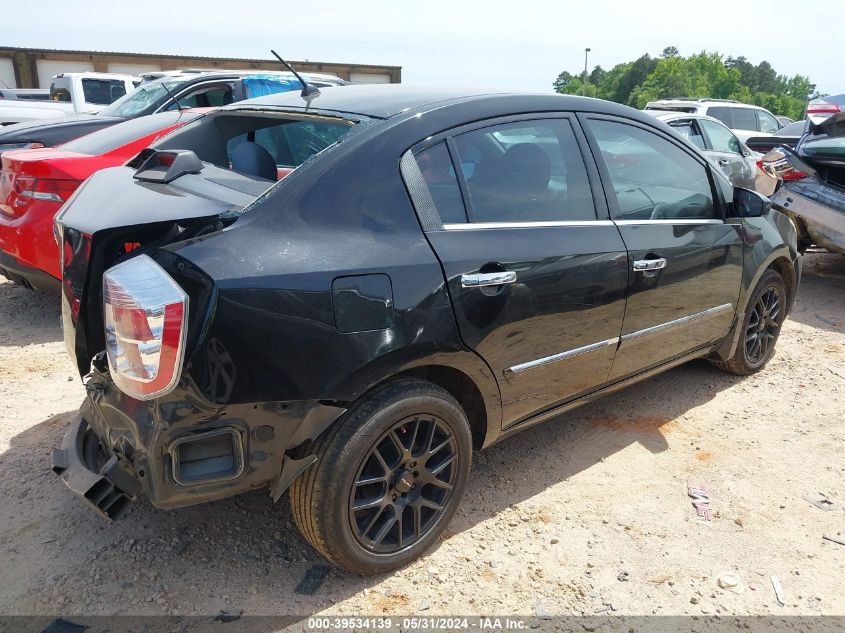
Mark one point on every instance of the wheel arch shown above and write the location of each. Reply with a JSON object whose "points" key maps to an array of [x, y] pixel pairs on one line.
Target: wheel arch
{"points": [[783, 266], [460, 372], [779, 260], [463, 389]]}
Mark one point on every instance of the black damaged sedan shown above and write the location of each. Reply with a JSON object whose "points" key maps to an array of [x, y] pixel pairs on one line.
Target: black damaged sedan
{"points": [[343, 295]]}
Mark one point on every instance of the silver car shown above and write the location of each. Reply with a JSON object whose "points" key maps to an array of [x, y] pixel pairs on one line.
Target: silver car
{"points": [[717, 142]]}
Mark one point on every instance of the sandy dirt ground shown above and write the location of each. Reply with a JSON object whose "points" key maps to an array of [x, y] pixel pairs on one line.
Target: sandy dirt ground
{"points": [[586, 514]]}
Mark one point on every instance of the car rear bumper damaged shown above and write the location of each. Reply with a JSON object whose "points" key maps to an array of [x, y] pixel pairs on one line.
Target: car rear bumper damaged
{"points": [[108, 489], [185, 451]]}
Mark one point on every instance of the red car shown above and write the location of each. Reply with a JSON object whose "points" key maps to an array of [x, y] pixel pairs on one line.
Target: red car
{"points": [[34, 183]]}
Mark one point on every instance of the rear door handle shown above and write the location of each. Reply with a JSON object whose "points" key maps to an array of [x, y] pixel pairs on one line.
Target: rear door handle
{"points": [[480, 280], [724, 162], [641, 265]]}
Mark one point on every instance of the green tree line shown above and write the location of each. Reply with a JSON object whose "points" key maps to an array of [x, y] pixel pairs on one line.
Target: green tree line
{"points": [[702, 75]]}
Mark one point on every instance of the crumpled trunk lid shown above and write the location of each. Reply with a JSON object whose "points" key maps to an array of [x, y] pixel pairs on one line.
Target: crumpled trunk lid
{"points": [[112, 217]]}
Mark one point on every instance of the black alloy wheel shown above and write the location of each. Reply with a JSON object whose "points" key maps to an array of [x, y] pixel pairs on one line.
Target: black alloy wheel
{"points": [[403, 484], [763, 325], [760, 327], [389, 476]]}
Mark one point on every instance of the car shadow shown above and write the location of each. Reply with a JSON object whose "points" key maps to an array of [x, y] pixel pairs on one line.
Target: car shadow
{"points": [[244, 553], [821, 295], [27, 316]]}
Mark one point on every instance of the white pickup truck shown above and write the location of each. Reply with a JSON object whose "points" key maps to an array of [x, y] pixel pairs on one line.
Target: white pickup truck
{"points": [[70, 93]]}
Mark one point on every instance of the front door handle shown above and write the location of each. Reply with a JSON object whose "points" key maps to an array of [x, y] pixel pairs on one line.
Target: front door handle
{"points": [[480, 280], [644, 265], [724, 162]]}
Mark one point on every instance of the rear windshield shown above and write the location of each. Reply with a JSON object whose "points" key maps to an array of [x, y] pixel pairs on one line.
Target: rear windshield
{"points": [[793, 129], [103, 91], [146, 96], [115, 136], [275, 143], [293, 142], [672, 108], [825, 146]]}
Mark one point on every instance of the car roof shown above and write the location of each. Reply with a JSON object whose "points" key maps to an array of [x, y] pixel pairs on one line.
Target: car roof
{"points": [[728, 103], [191, 76], [387, 100]]}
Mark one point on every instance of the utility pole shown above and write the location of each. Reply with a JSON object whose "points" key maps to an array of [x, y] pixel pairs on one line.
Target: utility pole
{"points": [[584, 84]]}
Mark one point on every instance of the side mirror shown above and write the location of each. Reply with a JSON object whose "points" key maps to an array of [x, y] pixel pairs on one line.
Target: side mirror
{"points": [[749, 204]]}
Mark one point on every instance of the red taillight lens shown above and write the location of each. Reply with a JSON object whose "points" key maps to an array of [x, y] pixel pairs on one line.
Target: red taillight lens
{"points": [[28, 188], [777, 166], [822, 107], [43, 189], [145, 314]]}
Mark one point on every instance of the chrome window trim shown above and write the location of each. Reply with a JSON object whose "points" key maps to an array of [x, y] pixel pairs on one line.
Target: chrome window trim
{"points": [[531, 364], [663, 221], [682, 321], [466, 226]]}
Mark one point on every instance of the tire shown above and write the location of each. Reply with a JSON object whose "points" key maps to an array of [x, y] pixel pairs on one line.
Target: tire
{"points": [[757, 340], [342, 515]]}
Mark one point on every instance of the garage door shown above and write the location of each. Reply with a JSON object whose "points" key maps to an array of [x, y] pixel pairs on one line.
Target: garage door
{"points": [[7, 73], [369, 78], [48, 68], [133, 69]]}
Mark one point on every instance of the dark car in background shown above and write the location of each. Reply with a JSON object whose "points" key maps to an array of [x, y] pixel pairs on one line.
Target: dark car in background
{"points": [[192, 89], [810, 181], [440, 271]]}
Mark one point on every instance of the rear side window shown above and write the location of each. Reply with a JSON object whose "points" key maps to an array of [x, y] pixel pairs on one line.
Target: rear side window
{"points": [[263, 86], [207, 97], [103, 91], [59, 94], [721, 138], [438, 172], [110, 138], [723, 114], [744, 119], [653, 178], [689, 130], [768, 123], [529, 171]]}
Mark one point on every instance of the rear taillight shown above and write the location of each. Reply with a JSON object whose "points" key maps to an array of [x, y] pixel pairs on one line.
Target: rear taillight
{"points": [[43, 189], [28, 188], [822, 107], [776, 165], [820, 110], [145, 314]]}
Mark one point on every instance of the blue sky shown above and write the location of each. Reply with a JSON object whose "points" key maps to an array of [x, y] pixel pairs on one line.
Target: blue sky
{"points": [[503, 45]]}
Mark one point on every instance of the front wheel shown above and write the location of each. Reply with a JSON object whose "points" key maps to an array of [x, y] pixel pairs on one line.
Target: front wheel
{"points": [[764, 317], [388, 478]]}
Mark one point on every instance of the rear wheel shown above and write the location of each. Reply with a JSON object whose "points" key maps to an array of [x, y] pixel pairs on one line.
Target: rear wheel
{"points": [[388, 478], [764, 316]]}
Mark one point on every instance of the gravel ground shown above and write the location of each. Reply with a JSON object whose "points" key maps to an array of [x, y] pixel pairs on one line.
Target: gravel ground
{"points": [[583, 515]]}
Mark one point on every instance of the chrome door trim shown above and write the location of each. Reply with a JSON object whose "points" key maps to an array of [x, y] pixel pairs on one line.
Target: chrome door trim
{"points": [[481, 280], [709, 312], [467, 226], [531, 364], [664, 221]]}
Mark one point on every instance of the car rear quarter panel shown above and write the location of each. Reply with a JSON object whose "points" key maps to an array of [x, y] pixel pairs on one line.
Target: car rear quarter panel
{"points": [[274, 315]]}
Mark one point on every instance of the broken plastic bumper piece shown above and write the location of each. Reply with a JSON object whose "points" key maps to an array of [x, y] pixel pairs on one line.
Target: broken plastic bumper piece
{"points": [[108, 489]]}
